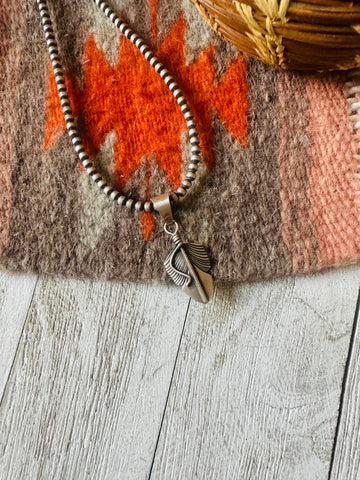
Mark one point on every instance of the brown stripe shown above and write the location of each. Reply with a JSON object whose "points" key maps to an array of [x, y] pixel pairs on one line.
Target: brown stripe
{"points": [[247, 238], [11, 23], [297, 228]]}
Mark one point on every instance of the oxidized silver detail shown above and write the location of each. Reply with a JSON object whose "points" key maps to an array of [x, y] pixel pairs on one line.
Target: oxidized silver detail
{"points": [[188, 264]]}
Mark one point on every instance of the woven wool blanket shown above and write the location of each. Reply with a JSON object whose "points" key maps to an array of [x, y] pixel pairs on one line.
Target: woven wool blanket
{"points": [[277, 194]]}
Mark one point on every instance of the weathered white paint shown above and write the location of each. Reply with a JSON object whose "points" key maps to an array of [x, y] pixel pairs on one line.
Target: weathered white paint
{"points": [[255, 392], [346, 462], [257, 385], [90, 380], [16, 291]]}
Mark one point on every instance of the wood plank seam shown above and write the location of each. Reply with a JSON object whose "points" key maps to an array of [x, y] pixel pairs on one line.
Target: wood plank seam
{"points": [[19, 341], [90, 379], [168, 393], [344, 382], [258, 380]]}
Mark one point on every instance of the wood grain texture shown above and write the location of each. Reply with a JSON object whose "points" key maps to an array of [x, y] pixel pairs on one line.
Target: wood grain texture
{"points": [[256, 389], [90, 381], [16, 291], [346, 461]]}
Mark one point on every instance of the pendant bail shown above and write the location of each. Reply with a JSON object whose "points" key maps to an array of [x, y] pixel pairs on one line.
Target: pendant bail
{"points": [[162, 204]]}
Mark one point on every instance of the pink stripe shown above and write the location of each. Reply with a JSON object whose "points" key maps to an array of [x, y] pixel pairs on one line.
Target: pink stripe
{"points": [[297, 231], [335, 206]]}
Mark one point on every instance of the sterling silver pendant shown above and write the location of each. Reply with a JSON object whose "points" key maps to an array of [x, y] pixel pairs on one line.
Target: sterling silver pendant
{"points": [[187, 264]]}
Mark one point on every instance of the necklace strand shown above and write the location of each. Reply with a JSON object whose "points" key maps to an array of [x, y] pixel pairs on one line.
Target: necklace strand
{"points": [[112, 193]]}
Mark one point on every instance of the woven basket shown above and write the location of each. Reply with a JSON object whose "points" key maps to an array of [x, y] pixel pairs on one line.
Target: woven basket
{"points": [[307, 35]]}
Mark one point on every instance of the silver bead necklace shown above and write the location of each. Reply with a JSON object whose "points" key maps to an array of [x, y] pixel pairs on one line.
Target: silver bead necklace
{"points": [[188, 263]]}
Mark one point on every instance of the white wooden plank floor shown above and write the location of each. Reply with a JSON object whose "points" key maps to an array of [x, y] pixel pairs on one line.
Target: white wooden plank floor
{"points": [[113, 381]]}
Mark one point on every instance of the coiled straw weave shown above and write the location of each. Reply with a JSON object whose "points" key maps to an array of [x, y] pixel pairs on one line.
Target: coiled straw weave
{"points": [[307, 35]]}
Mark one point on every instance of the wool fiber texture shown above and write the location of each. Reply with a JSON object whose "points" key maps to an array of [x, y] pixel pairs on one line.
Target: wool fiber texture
{"points": [[277, 194]]}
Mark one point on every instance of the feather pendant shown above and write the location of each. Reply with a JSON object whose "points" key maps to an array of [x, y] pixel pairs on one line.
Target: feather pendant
{"points": [[188, 265]]}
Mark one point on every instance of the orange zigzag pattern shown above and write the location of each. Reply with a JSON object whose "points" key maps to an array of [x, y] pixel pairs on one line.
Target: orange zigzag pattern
{"points": [[132, 99]]}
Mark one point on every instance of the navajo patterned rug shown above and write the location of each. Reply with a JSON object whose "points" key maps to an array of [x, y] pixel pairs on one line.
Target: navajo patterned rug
{"points": [[277, 194]]}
